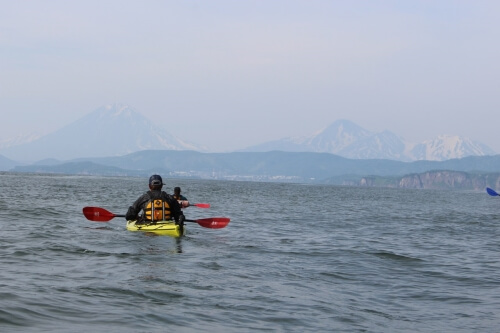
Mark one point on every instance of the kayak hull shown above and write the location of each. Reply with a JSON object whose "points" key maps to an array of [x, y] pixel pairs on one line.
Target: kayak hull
{"points": [[168, 228]]}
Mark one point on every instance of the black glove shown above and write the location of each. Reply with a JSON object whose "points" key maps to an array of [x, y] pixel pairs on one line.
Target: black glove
{"points": [[130, 214], [181, 219]]}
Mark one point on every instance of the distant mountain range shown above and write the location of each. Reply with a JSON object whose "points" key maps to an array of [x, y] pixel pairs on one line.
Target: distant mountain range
{"points": [[117, 130], [473, 173], [346, 139]]}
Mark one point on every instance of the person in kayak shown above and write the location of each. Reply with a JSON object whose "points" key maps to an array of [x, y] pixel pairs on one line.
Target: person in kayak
{"points": [[183, 201], [177, 194], [156, 205]]}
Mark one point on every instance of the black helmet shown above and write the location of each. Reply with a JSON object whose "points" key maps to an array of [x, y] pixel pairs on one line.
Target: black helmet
{"points": [[155, 180]]}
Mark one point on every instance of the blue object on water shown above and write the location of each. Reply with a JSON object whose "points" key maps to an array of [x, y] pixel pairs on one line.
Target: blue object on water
{"points": [[491, 192]]}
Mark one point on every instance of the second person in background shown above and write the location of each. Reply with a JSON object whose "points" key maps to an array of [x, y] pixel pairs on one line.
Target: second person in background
{"points": [[183, 201]]}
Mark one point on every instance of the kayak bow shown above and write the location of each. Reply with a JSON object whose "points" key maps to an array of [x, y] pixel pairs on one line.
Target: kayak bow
{"points": [[168, 228]]}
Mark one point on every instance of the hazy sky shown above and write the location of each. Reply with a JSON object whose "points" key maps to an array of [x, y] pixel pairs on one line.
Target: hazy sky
{"points": [[230, 74]]}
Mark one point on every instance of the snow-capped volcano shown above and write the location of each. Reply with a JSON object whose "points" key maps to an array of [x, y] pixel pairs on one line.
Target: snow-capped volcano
{"points": [[110, 130]]}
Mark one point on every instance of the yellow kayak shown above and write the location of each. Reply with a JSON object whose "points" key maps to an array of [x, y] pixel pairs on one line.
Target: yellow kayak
{"points": [[168, 228]]}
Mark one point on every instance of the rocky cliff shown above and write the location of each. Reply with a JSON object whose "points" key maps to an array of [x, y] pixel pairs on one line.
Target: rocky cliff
{"points": [[437, 180]]}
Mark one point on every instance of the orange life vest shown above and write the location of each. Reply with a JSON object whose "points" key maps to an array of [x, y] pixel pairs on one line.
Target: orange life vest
{"points": [[157, 210]]}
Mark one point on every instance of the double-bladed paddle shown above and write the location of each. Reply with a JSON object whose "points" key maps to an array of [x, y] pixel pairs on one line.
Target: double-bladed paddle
{"points": [[492, 192], [98, 214]]}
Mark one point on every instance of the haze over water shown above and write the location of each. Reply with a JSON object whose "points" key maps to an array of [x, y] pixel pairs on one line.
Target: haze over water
{"points": [[295, 258]]}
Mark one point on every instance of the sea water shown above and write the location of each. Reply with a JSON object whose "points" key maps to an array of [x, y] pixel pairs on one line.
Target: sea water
{"points": [[294, 258]]}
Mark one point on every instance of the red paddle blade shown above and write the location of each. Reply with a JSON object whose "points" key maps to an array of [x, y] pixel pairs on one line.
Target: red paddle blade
{"points": [[201, 205], [214, 222], [97, 214]]}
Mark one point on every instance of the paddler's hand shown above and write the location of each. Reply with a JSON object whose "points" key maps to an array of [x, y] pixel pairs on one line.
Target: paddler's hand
{"points": [[184, 203]]}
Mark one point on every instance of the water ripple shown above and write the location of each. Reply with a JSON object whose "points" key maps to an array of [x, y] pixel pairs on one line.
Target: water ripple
{"points": [[295, 258]]}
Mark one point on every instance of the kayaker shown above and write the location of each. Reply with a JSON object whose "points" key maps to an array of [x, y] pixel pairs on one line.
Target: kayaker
{"points": [[155, 204], [183, 201], [177, 194]]}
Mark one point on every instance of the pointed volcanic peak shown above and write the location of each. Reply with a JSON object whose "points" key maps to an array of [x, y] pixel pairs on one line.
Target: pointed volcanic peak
{"points": [[111, 130], [336, 137], [446, 147], [331, 139], [135, 132]]}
